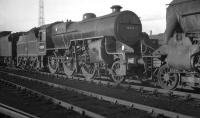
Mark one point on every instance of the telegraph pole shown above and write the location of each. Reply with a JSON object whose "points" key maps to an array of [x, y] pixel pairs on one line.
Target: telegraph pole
{"points": [[41, 13]]}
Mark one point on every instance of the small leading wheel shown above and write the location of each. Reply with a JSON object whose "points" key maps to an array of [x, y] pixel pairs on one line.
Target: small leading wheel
{"points": [[36, 64], [88, 70], [69, 67], [116, 72], [23, 63], [166, 78], [52, 64], [195, 60]]}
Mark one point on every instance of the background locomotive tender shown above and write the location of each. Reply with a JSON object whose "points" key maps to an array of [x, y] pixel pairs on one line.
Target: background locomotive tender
{"points": [[5, 47], [8, 45], [181, 62]]}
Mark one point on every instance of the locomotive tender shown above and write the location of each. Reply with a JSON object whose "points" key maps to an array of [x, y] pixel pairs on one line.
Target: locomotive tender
{"points": [[96, 46]]}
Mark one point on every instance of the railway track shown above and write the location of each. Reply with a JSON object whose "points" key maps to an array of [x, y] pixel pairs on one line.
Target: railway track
{"points": [[115, 100], [153, 90], [99, 107], [7, 111], [36, 103]]}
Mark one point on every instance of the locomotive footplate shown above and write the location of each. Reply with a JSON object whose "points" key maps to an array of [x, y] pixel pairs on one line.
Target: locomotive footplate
{"points": [[135, 65]]}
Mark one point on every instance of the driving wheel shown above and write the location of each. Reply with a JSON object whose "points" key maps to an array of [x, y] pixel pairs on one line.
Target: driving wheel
{"points": [[166, 78], [69, 66], [116, 72], [52, 64], [195, 60], [88, 70]]}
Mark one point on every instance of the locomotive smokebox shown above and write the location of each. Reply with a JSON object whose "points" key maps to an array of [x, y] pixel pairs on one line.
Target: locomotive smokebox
{"points": [[116, 8]]}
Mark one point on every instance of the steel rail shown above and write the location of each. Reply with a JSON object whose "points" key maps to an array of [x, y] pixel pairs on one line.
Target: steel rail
{"points": [[137, 87], [59, 102], [113, 100], [14, 113]]}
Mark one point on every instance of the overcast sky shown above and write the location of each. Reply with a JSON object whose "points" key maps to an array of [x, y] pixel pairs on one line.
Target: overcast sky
{"points": [[22, 15]]}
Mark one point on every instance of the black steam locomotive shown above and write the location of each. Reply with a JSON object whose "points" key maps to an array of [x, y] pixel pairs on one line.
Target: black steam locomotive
{"points": [[111, 45], [181, 54]]}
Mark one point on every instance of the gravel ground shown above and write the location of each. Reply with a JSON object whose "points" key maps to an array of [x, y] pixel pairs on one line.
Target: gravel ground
{"points": [[4, 116], [174, 104], [33, 105], [98, 106]]}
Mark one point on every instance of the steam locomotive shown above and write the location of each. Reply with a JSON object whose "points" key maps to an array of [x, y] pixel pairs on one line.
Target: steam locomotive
{"points": [[180, 55], [111, 45]]}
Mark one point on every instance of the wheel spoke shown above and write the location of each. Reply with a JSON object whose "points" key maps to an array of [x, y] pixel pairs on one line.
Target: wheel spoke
{"points": [[116, 76], [52, 64], [167, 79], [88, 70], [68, 66]]}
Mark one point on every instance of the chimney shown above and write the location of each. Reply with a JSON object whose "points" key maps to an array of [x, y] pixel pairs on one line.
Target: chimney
{"points": [[116, 8], [150, 33]]}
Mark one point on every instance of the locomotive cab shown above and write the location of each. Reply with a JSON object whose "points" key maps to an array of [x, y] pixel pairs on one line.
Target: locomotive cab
{"points": [[42, 41], [126, 61]]}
